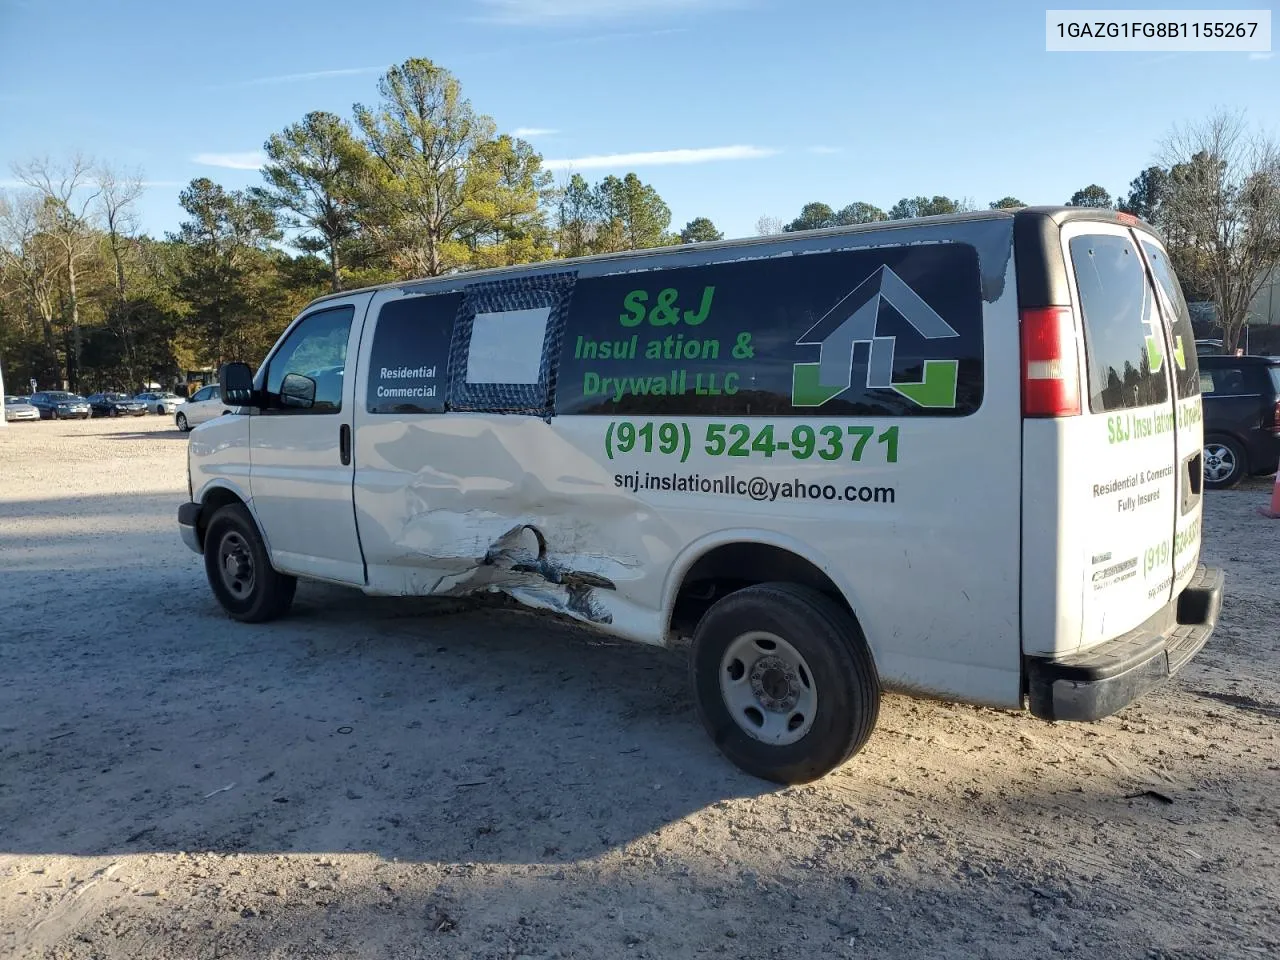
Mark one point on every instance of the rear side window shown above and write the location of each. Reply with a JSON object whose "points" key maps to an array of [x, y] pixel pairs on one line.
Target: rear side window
{"points": [[1275, 378], [1122, 329], [1185, 364], [1228, 381]]}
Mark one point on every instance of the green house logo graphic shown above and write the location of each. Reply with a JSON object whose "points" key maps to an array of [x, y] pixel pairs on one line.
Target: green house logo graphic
{"points": [[853, 321]]}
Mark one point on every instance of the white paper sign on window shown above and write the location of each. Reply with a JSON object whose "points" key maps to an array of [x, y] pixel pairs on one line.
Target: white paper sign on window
{"points": [[506, 347]]}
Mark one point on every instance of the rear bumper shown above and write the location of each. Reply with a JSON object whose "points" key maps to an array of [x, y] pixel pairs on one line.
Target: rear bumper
{"points": [[1104, 679], [189, 525]]}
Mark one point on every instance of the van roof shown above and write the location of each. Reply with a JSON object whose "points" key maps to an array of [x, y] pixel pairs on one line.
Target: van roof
{"points": [[1054, 215]]}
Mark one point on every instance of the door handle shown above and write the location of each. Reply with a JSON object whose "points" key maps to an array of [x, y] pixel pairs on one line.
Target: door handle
{"points": [[344, 444]]}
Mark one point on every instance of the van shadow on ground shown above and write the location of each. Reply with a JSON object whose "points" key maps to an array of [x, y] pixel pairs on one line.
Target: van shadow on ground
{"points": [[418, 729]]}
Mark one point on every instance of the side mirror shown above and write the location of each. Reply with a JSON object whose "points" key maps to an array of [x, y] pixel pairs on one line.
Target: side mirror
{"points": [[235, 385], [297, 391]]}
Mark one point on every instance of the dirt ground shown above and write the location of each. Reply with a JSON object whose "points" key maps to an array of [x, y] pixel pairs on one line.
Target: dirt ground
{"points": [[381, 778]]}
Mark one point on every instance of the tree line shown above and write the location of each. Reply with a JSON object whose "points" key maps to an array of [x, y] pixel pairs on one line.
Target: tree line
{"points": [[419, 183], [1215, 196]]}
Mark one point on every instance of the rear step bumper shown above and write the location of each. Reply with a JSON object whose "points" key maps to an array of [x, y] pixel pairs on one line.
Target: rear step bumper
{"points": [[1104, 679]]}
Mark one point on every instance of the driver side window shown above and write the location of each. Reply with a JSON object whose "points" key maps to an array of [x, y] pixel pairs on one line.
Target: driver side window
{"points": [[315, 350]]}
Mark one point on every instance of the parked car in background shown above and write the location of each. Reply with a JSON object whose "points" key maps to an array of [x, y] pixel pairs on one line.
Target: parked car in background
{"points": [[60, 405], [1241, 397], [20, 408], [115, 405], [205, 404], [1208, 348], [161, 402]]}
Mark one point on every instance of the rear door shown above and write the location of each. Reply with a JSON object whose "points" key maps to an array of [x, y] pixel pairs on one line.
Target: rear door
{"points": [[1184, 372], [204, 405], [1126, 486]]}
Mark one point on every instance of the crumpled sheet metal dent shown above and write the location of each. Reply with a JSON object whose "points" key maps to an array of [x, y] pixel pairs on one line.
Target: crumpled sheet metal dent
{"points": [[518, 564], [502, 525]]}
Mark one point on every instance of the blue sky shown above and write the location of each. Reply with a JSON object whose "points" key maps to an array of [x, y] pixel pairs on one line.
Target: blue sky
{"points": [[777, 102]]}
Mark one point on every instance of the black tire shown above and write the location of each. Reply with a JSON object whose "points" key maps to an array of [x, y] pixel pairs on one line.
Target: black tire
{"points": [[181, 421], [115, 412], [270, 593], [53, 415], [844, 677], [1218, 450]]}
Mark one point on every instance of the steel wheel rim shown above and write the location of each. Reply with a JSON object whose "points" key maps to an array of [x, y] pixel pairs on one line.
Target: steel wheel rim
{"points": [[1219, 462], [235, 564], [768, 688], [182, 422]]}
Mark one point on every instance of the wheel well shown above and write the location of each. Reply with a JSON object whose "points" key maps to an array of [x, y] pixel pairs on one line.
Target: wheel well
{"points": [[213, 501], [732, 566]]}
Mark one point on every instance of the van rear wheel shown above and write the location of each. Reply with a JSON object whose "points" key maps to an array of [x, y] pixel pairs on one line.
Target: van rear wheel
{"points": [[784, 681], [239, 570]]}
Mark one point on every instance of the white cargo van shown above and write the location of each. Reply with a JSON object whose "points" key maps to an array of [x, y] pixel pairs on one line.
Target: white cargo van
{"points": [[958, 457]]}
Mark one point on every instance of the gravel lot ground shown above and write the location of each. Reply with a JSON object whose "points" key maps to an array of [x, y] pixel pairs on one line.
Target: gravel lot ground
{"points": [[381, 778]]}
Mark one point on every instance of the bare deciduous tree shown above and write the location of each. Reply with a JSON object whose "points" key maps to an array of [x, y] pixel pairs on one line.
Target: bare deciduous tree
{"points": [[28, 260], [767, 226], [69, 193], [118, 192], [1223, 201]]}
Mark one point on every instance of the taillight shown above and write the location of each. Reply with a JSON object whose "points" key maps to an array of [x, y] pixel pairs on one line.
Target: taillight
{"points": [[1275, 419], [1050, 370]]}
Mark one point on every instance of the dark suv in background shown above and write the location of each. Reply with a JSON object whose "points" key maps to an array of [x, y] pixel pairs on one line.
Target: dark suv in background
{"points": [[1241, 399]]}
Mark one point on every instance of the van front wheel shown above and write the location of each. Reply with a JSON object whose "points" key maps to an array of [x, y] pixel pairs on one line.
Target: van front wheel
{"points": [[784, 682], [239, 571]]}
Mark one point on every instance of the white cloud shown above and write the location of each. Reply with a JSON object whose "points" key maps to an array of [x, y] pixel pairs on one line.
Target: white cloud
{"points": [[1262, 55], [655, 158], [302, 77], [251, 160], [824, 151], [533, 132], [522, 12]]}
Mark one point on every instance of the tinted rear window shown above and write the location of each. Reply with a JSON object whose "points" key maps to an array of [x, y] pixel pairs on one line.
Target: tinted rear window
{"points": [[1185, 366], [1275, 378], [1120, 319]]}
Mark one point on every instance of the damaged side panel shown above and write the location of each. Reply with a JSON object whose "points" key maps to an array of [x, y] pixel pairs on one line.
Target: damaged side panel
{"points": [[471, 503]]}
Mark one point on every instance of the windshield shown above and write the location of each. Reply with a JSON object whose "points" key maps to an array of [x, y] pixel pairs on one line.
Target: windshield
{"points": [[62, 396]]}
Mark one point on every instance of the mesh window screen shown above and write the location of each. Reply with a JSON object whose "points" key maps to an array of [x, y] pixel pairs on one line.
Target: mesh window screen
{"points": [[496, 334]]}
